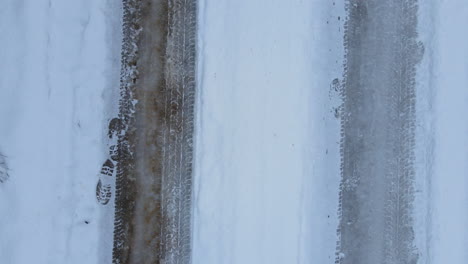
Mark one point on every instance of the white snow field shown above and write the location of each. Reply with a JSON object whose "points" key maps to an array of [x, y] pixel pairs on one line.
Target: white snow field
{"points": [[267, 142], [59, 80], [449, 184], [264, 188]]}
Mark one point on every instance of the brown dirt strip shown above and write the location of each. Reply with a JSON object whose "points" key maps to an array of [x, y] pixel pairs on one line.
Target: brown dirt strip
{"points": [[154, 172]]}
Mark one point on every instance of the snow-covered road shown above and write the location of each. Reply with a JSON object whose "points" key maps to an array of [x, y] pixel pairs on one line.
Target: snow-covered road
{"points": [[325, 132]]}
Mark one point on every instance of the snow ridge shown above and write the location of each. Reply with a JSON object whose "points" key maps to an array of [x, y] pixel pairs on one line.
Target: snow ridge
{"points": [[341, 111]]}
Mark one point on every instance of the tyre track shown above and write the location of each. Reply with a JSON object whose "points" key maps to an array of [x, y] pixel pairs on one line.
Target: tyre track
{"points": [[378, 124]]}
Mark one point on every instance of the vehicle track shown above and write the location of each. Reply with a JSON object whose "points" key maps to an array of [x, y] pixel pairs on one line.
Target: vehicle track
{"points": [[378, 126], [154, 168]]}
